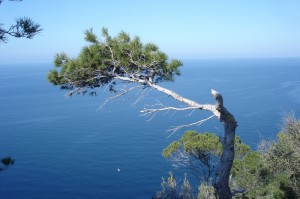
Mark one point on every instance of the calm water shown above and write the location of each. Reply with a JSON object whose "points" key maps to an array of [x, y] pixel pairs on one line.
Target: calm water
{"points": [[64, 148]]}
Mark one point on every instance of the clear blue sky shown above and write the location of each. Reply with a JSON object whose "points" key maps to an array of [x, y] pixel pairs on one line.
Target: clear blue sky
{"points": [[182, 29]]}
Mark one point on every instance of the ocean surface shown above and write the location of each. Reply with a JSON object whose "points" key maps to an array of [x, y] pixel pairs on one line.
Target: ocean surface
{"points": [[67, 148]]}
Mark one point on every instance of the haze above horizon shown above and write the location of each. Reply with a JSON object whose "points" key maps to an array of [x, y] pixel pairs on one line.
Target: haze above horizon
{"points": [[197, 29]]}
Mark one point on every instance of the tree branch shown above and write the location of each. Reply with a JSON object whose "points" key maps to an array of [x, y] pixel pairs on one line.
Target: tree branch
{"points": [[142, 95], [191, 124], [118, 95], [190, 103], [154, 110], [74, 91]]}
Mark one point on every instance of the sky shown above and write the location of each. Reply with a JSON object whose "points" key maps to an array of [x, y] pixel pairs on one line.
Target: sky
{"points": [[191, 29]]}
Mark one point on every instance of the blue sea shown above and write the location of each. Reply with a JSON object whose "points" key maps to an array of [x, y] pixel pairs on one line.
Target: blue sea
{"points": [[67, 148]]}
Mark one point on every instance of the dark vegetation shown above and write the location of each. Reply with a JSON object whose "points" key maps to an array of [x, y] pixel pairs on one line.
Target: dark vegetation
{"points": [[6, 162], [23, 27], [273, 171]]}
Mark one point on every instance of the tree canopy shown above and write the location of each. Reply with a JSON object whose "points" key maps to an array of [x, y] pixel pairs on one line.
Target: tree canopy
{"points": [[108, 59], [200, 152], [23, 27]]}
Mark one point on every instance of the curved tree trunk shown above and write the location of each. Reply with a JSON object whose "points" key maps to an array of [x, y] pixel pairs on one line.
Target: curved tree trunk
{"points": [[229, 123], [223, 171]]}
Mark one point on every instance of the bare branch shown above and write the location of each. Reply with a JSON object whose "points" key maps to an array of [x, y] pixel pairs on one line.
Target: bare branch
{"points": [[185, 160], [131, 79], [188, 125], [142, 95], [238, 191], [74, 91], [190, 103], [118, 95], [154, 110], [97, 77]]}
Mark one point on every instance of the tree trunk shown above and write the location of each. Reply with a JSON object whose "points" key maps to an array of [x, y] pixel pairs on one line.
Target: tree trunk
{"points": [[229, 123], [223, 171]]}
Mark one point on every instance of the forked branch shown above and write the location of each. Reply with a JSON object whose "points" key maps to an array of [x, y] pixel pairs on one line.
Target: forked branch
{"points": [[173, 130], [118, 95]]}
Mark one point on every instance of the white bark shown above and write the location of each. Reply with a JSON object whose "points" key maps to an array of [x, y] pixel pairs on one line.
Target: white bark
{"points": [[190, 103], [225, 117]]}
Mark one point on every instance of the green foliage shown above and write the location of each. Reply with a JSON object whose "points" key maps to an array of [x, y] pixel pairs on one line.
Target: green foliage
{"points": [[24, 27], [174, 146], [171, 189], [272, 172], [240, 148], [250, 174], [59, 59], [201, 143], [186, 189], [206, 191], [282, 157], [108, 58], [54, 77], [193, 143], [90, 36], [270, 186], [203, 146], [6, 162]]}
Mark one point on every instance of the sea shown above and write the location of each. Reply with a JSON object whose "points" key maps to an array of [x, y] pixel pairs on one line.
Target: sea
{"points": [[68, 148]]}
